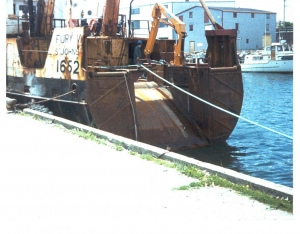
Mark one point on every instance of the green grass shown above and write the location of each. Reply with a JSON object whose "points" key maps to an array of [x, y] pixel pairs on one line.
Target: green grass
{"points": [[88, 136], [119, 147], [203, 178], [151, 158], [133, 153]]}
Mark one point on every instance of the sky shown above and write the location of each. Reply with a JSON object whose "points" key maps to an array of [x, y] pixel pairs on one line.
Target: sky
{"points": [[276, 6]]}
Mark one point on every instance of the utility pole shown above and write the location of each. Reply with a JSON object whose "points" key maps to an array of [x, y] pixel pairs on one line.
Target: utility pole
{"points": [[283, 13]]}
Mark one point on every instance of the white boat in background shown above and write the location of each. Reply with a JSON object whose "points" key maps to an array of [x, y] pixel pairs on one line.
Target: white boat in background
{"points": [[279, 59]]}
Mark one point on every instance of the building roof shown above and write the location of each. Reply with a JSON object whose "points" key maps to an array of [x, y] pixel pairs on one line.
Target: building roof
{"points": [[232, 9], [239, 9]]}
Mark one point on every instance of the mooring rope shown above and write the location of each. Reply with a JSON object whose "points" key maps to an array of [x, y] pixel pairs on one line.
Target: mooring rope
{"points": [[154, 62], [134, 118], [228, 112], [33, 103]]}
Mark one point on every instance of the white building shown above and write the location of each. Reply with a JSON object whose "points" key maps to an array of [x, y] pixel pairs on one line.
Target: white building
{"points": [[141, 15]]}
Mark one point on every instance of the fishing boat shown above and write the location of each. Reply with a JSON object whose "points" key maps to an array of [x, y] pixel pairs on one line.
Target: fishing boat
{"points": [[276, 59], [81, 69]]}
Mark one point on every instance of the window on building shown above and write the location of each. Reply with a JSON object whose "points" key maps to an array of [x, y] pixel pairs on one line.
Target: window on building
{"points": [[206, 18], [191, 27], [267, 27], [191, 14], [234, 15], [136, 24], [247, 41], [237, 26], [135, 11], [163, 25], [252, 15], [181, 17], [268, 16]]}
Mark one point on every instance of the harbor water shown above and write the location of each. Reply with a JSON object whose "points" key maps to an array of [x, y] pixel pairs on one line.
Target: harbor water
{"points": [[251, 149]]}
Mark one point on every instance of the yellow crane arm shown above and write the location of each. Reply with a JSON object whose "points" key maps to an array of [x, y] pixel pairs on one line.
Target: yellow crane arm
{"points": [[156, 15], [175, 22]]}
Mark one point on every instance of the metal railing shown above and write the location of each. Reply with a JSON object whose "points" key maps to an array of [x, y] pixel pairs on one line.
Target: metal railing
{"points": [[15, 28]]}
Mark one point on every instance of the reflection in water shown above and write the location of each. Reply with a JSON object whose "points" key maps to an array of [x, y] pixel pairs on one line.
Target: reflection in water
{"points": [[222, 155]]}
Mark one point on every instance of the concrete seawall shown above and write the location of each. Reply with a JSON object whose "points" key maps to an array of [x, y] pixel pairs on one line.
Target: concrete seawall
{"points": [[233, 176]]}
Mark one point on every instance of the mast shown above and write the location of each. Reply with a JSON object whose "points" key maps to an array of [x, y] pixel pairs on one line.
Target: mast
{"points": [[110, 17], [31, 17], [69, 9], [129, 26], [44, 17], [283, 13]]}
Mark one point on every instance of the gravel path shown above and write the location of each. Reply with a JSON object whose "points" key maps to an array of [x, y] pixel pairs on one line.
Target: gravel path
{"points": [[55, 182]]}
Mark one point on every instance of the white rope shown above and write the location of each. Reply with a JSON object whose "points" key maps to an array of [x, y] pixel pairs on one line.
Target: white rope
{"points": [[134, 118], [228, 112]]}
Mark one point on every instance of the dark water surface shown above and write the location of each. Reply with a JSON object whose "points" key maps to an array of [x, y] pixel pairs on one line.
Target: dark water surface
{"points": [[252, 150]]}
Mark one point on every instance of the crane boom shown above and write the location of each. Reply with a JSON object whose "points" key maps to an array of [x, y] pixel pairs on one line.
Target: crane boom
{"points": [[44, 17], [110, 17], [176, 23], [211, 18]]}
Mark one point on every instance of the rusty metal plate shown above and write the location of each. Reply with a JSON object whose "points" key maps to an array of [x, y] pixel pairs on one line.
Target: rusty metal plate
{"points": [[161, 123], [223, 89], [179, 75], [110, 104], [220, 87]]}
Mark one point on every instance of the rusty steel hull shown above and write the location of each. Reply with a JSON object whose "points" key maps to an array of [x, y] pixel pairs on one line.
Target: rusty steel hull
{"points": [[160, 116], [219, 87], [87, 79], [146, 115], [111, 101]]}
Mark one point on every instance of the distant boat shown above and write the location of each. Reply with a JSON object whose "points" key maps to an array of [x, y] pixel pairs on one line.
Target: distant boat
{"points": [[279, 59]]}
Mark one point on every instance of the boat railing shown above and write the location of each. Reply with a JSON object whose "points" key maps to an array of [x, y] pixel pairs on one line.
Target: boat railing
{"points": [[143, 27], [14, 24]]}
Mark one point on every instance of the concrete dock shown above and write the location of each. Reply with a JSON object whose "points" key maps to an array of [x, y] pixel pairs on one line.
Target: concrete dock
{"points": [[56, 182]]}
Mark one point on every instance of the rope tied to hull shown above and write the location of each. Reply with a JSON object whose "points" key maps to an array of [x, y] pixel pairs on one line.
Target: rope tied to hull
{"points": [[33, 102], [208, 103], [133, 113]]}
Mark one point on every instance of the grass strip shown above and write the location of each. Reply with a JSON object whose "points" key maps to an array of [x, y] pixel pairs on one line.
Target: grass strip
{"points": [[206, 179]]}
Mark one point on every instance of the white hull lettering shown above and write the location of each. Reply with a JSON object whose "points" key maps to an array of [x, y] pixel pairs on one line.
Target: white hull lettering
{"points": [[66, 51], [67, 38]]}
